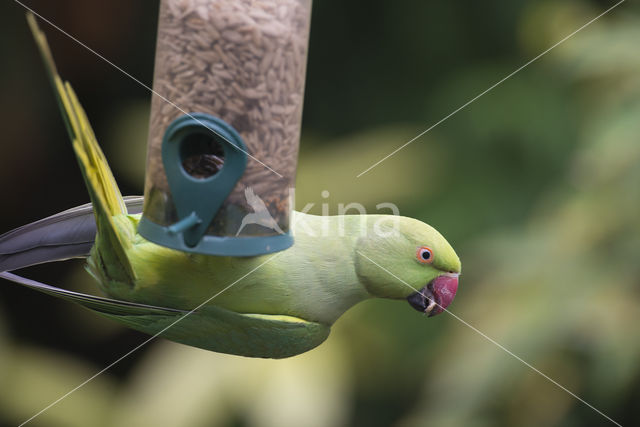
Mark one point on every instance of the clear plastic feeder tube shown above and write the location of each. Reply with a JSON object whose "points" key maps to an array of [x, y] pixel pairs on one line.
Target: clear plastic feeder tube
{"points": [[244, 62]]}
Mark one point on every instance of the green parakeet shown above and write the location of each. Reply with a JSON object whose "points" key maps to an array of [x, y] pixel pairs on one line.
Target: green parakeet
{"points": [[275, 305]]}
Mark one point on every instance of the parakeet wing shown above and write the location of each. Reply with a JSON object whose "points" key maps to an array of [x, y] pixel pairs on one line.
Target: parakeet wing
{"points": [[103, 190], [208, 327]]}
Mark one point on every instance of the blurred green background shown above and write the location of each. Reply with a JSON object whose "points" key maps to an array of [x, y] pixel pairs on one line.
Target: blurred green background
{"points": [[536, 184]]}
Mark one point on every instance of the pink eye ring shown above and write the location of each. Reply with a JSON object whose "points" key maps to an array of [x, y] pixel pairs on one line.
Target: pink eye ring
{"points": [[424, 255]]}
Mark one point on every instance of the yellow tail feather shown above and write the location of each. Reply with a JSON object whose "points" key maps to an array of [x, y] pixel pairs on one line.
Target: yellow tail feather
{"points": [[103, 190]]}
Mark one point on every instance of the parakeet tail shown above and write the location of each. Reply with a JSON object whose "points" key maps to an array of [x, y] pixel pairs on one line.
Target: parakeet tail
{"points": [[103, 190], [68, 234]]}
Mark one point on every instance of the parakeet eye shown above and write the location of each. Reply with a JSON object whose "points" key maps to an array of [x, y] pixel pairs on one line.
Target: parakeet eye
{"points": [[424, 255]]}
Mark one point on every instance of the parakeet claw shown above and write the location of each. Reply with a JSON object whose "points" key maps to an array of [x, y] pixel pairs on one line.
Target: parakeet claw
{"points": [[436, 296]]}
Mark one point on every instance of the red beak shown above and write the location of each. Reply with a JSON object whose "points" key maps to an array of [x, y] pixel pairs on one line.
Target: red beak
{"points": [[436, 296], [444, 289]]}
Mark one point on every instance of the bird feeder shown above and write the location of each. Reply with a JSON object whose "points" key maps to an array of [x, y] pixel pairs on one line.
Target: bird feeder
{"points": [[225, 125]]}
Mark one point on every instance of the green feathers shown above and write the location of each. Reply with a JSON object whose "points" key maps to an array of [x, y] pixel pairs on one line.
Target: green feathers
{"points": [[275, 305], [103, 190]]}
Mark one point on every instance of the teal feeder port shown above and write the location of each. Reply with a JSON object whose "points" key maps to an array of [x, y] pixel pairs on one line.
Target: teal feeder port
{"points": [[225, 126], [203, 158]]}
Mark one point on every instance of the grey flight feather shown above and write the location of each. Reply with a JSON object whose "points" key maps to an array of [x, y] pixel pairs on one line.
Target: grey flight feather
{"points": [[103, 305], [68, 234]]}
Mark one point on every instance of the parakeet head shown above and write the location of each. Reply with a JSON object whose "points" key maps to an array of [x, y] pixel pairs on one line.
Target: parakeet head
{"points": [[424, 263]]}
